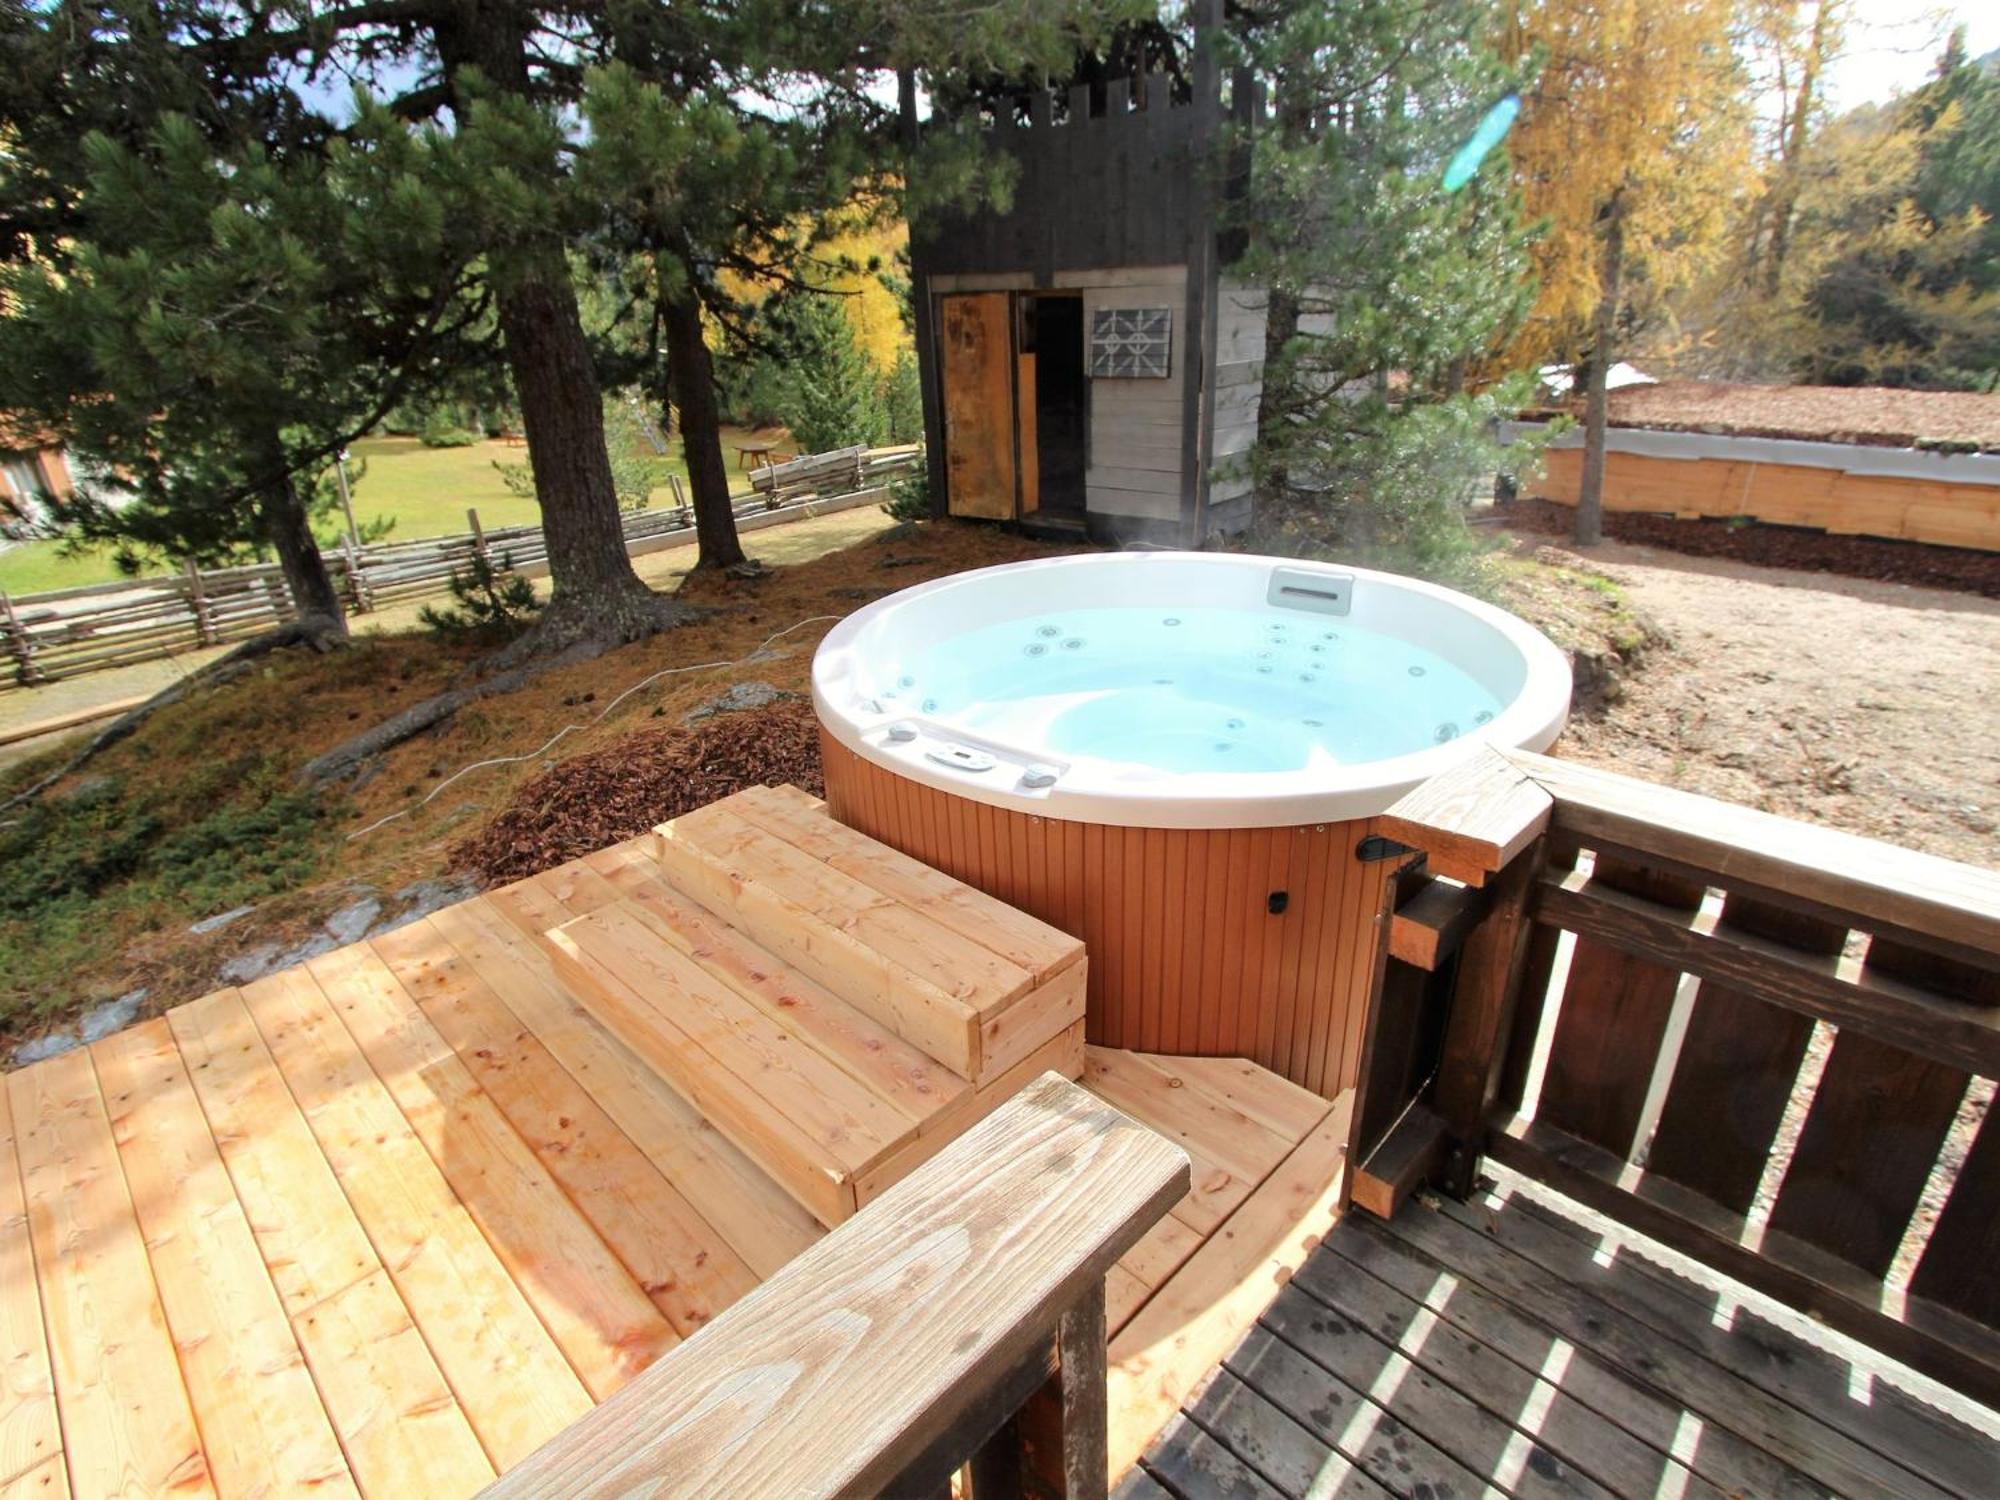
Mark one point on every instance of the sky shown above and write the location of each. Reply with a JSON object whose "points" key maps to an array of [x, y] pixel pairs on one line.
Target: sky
{"points": [[1891, 45]]}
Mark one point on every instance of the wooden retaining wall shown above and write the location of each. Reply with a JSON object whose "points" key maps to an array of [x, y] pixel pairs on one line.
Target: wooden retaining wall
{"points": [[1830, 500], [1187, 956]]}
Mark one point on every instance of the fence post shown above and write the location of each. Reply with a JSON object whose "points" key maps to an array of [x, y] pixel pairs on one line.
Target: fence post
{"points": [[682, 518], [478, 535], [204, 620], [358, 593], [19, 643]]}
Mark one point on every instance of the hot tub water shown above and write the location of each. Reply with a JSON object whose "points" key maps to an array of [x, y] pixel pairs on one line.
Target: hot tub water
{"points": [[1199, 688]]}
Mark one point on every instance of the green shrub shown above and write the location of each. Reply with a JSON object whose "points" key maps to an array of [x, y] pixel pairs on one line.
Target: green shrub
{"points": [[493, 603], [903, 399], [833, 396], [114, 855], [442, 429], [909, 496]]}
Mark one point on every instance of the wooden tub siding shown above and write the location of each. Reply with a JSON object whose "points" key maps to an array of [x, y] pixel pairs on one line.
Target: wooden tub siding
{"points": [[1185, 958]]}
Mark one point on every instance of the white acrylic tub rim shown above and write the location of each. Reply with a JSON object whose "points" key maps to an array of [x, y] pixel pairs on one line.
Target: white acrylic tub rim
{"points": [[1516, 662]]}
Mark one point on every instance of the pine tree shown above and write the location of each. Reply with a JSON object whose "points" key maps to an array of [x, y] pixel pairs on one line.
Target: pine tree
{"points": [[214, 329], [1383, 284]]}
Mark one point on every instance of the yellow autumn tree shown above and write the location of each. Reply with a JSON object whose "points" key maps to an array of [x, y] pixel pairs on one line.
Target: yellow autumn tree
{"points": [[1632, 149]]}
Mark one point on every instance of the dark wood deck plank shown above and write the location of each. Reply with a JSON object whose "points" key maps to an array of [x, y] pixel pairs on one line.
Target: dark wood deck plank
{"points": [[1191, 1465], [1567, 1301], [1533, 1400], [1282, 1452], [1390, 1451], [1802, 1370], [1488, 1445], [1733, 1464]]}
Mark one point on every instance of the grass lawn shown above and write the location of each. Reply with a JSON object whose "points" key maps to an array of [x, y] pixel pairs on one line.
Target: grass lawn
{"points": [[426, 490]]}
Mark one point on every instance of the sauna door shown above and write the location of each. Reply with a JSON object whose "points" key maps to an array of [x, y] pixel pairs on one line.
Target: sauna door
{"points": [[977, 365]]}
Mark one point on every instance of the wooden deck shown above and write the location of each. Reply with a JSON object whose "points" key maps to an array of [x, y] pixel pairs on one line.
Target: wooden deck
{"points": [[1521, 1345], [385, 1223]]}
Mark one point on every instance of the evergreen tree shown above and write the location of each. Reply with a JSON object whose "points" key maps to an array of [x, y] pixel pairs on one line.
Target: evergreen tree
{"points": [[1907, 287], [833, 390], [1383, 284], [217, 325]]}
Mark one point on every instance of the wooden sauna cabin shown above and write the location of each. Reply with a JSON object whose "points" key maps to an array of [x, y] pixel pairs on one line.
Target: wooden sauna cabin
{"points": [[1089, 365]]}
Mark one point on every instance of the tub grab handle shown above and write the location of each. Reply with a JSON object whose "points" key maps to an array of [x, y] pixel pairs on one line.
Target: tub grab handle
{"points": [[1307, 589]]}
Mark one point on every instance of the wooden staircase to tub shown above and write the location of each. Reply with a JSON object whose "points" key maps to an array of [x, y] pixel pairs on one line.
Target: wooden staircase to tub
{"points": [[838, 1010]]}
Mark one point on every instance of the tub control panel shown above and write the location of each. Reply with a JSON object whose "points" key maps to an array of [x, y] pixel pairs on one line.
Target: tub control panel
{"points": [[915, 742], [960, 757]]}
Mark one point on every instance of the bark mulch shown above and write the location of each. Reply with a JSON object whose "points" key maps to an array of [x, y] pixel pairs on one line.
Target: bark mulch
{"points": [[1963, 568], [582, 804]]}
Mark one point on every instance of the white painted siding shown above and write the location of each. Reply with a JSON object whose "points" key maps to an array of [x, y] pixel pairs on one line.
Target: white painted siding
{"points": [[1239, 385]]}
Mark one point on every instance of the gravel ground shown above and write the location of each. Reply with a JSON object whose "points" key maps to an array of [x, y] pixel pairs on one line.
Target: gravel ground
{"points": [[1873, 707]]}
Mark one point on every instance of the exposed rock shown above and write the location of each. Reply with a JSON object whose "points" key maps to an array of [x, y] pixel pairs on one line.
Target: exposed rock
{"points": [[113, 1015], [740, 698], [54, 1044], [220, 920], [251, 963], [352, 922]]}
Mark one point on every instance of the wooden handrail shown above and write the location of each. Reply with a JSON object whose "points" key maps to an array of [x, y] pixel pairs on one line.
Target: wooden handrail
{"points": [[890, 1352], [1574, 1050], [1472, 820], [1871, 880]]}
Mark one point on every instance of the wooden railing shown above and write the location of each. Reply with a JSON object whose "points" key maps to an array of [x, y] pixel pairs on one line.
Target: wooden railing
{"points": [[900, 1347], [1767, 1044]]}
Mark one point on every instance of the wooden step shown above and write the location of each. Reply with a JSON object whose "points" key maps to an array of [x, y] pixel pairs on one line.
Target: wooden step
{"points": [[971, 981], [777, 1026]]}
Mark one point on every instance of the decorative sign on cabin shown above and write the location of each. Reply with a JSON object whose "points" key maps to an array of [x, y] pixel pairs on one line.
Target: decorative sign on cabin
{"points": [[1131, 343]]}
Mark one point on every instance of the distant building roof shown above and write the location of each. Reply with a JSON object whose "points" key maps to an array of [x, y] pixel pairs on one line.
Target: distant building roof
{"points": [[1871, 416]]}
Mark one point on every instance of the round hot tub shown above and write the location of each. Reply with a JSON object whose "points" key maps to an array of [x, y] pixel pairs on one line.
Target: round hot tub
{"points": [[1174, 756]]}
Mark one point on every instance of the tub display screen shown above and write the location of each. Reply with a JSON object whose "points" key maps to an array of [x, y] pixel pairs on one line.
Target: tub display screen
{"points": [[1194, 689]]}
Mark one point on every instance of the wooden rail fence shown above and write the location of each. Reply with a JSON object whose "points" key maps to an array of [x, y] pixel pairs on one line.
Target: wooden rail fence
{"points": [[1767, 1044], [96, 627]]}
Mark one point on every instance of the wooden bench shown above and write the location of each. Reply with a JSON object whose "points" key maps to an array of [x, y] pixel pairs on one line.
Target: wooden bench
{"points": [[900, 1346], [839, 1010]]}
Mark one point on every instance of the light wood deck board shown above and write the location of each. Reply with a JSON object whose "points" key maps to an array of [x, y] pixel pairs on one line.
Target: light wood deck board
{"points": [[378, 1180], [681, 1261], [902, 1075], [30, 1434], [261, 1421], [755, 1216], [398, 1421], [601, 1319], [505, 1369], [125, 1415]]}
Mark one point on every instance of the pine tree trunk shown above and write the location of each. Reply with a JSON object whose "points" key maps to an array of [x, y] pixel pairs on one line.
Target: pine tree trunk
{"points": [[595, 594], [288, 529], [594, 591], [1281, 325], [691, 383], [1596, 412]]}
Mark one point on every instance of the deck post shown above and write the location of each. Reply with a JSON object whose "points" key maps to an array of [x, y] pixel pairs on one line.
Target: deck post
{"points": [[1488, 990], [1081, 1338]]}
